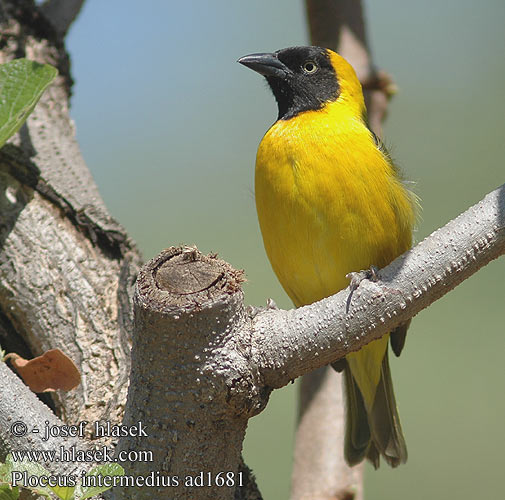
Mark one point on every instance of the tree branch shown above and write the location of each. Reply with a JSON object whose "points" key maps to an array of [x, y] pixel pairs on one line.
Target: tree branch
{"points": [[320, 470], [18, 407], [61, 13], [315, 335], [211, 367], [66, 267], [190, 385]]}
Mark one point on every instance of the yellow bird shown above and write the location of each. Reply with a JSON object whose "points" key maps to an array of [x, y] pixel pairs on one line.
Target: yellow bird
{"points": [[330, 201]]}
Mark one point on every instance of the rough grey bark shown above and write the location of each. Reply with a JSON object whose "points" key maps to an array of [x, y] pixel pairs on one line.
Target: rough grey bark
{"points": [[318, 334], [201, 367], [25, 408], [61, 13], [191, 383], [66, 267]]}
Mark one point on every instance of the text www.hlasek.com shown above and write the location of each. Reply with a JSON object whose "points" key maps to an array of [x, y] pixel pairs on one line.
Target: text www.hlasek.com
{"points": [[72, 454]]}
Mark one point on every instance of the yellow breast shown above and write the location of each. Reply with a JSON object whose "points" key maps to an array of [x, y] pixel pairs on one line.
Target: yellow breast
{"points": [[328, 202]]}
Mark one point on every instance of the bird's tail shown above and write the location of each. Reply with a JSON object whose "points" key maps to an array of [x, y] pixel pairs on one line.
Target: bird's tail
{"points": [[375, 432]]}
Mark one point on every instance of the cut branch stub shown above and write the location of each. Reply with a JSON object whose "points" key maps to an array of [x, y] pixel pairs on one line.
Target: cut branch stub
{"points": [[185, 274], [181, 278], [191, 385]]}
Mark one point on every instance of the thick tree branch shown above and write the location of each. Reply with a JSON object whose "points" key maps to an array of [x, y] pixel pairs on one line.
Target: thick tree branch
{"points": [[211, 367], [189, 386], [313, 336], [66, 267], [19, 407], [61, 13]]}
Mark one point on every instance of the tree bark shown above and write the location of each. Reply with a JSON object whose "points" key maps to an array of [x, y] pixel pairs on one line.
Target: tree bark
{"points": [[24, 409], [189, 384], [201, 367], [66, 267]]}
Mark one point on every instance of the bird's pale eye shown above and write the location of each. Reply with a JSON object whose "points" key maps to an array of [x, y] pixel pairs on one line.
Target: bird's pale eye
{"points": [[309, 67]]}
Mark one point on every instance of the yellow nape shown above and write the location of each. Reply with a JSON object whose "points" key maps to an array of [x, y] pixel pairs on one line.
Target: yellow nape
{"points": [[351, 93]]}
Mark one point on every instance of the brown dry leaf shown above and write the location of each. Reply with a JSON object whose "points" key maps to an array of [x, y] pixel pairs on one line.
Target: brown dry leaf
{"points": [[51, 371]]}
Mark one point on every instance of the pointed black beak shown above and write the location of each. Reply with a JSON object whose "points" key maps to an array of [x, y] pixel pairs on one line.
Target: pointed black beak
{"points": [[265, 64]]}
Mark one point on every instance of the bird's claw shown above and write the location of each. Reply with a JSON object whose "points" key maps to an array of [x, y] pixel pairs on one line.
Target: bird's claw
{"points": [[356, 278], [271, 304], [253, 311]]}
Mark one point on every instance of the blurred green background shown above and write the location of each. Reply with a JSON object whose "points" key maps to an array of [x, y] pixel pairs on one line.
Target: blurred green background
{"points": [[169, 125]]}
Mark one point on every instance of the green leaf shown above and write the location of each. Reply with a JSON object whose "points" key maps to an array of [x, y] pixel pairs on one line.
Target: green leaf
{"points": [[22, 82], [63, 492], [109, 469], [8, 493], [31, 469], [4, 474]]}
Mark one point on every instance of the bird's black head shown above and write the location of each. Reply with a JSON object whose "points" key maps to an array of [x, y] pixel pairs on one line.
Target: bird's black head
{"points": [[301, 78]]}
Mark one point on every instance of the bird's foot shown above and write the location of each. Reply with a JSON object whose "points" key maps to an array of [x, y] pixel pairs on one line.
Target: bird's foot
{"points": [[356, 278], [271, 304], [253, 311]]}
